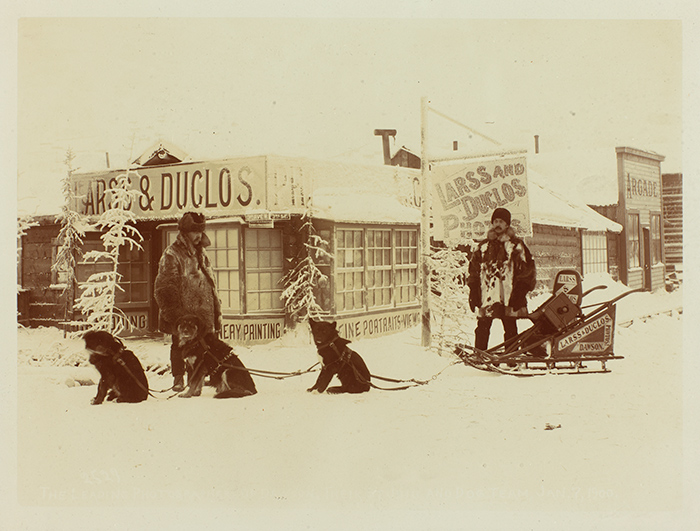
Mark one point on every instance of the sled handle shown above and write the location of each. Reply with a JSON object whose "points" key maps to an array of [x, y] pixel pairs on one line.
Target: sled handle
{"points": [[611, 301], [602, 286]]}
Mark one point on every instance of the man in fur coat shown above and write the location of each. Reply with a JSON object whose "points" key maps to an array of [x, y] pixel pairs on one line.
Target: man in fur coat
{"points": [[185, 285], [501, 273]]}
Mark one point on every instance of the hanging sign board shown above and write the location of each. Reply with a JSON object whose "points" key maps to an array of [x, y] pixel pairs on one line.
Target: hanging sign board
{"points": [[212, 187], [265, 220], [465, 195]]}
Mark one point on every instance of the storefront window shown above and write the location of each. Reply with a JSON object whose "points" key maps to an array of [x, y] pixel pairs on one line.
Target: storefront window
{"points": [[350, 270], [264, 269], [379, 268], [633, 246], [406, 248], [224, 256], [84, 269], [133, 268], [391, 268], [655, 237], [595, 252]]}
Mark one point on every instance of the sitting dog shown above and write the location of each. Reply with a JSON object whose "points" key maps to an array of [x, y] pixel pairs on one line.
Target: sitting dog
{"points": [[337, 358], [205, 354], [121, 374]]}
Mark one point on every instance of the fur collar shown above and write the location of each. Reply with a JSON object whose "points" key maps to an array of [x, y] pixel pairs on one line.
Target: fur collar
{"points": [[189, 246], [509, 234]]}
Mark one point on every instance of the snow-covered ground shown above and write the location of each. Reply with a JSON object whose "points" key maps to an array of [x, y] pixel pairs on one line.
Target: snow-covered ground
{"points": [[468, 450]]}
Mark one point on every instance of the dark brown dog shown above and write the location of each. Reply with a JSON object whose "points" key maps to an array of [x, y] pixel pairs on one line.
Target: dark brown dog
{"points": [[338, 359], [205, 354], [121, 374]]}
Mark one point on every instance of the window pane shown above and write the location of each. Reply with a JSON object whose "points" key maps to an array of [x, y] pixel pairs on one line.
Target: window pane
{"points": [[264, 266], [251, 239], [232, 258], [358, 238]]}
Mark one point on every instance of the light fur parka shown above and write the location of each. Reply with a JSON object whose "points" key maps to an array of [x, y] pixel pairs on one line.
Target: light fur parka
{"points": [[501, 274], [185, 285]]}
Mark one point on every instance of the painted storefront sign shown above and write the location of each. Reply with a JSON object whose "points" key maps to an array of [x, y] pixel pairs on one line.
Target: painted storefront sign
{"points": [[138, 320], [366, 326], [465, 195], [251, 331], [227, 186], [596, 337]]}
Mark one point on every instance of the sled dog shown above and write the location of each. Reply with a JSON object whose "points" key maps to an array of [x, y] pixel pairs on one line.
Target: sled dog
{"points": [[205, 354], [337, 359], [121, 374]]}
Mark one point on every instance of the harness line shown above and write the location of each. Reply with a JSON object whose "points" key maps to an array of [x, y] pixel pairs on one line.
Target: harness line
{"points": [[412, 381]]}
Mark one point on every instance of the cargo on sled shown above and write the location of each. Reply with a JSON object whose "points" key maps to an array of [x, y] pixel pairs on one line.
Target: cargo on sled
{"points": [[562, 340]]}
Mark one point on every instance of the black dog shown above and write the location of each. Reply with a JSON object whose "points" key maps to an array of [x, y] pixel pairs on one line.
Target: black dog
{"points": [[337, 358], [121, 374], [205, 354]]}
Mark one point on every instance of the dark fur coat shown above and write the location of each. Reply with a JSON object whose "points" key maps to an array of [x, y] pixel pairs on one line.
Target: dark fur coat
{"points": [[501, 274], [185, 285]]}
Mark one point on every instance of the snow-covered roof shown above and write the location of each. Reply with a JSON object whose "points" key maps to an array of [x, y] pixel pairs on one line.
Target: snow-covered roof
{"points": [[546, 208], [549, 208], [345, 204]]}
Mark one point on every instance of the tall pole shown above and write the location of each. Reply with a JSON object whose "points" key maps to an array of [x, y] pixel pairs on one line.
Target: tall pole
{"points": [[424, 225]]}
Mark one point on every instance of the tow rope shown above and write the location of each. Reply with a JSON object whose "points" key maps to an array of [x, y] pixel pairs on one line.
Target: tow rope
{"points": [[412, 382]]}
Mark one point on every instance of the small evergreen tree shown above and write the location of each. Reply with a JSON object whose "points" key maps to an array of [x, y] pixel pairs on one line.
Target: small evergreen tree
{"points": [[70, 237], [303, 280], [98, 298]]}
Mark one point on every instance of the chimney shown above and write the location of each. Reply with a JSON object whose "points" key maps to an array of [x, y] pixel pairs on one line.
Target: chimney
{"points": [[385, 134], [455, 145], [537, 143]]}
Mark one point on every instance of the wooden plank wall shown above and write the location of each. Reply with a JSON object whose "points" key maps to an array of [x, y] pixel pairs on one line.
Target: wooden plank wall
{"points": [[554, 249], [672, 200], [46, 306]]}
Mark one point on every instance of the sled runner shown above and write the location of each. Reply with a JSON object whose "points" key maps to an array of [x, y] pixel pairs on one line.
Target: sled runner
{"points": [[562, 340]]}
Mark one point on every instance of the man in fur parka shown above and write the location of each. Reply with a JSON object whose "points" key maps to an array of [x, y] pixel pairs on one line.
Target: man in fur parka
{"points": [[185, 285], [501, 274]]}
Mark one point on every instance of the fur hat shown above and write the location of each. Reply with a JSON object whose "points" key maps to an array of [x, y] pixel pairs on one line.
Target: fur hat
{"points": [[191, 222], [501, 213]]}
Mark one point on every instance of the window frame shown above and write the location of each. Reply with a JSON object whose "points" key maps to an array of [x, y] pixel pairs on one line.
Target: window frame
{"points": [[276, 272], [594, 247], [655, 238], [366, 268], [122, 298], [244, 268], [634, 241], [219, 271]]}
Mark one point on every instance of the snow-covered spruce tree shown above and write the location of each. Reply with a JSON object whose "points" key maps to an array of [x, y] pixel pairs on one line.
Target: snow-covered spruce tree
{"points": [[70, 238], [302, 281], [449, 295], [98, 297]]}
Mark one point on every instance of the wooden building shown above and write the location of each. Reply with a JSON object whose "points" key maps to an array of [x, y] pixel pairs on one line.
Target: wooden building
{"points": [[672, 202], [640, 209], [256, 209], [568, 235]]}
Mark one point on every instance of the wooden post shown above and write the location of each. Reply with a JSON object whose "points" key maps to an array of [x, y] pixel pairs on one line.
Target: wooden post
{"points": [[425, 227]]}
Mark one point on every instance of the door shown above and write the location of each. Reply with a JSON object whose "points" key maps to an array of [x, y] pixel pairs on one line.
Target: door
{"points": [[647, 259]]}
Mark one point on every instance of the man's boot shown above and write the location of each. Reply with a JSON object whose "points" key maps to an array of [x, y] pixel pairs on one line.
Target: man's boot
{"points": [[179, 384]]}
